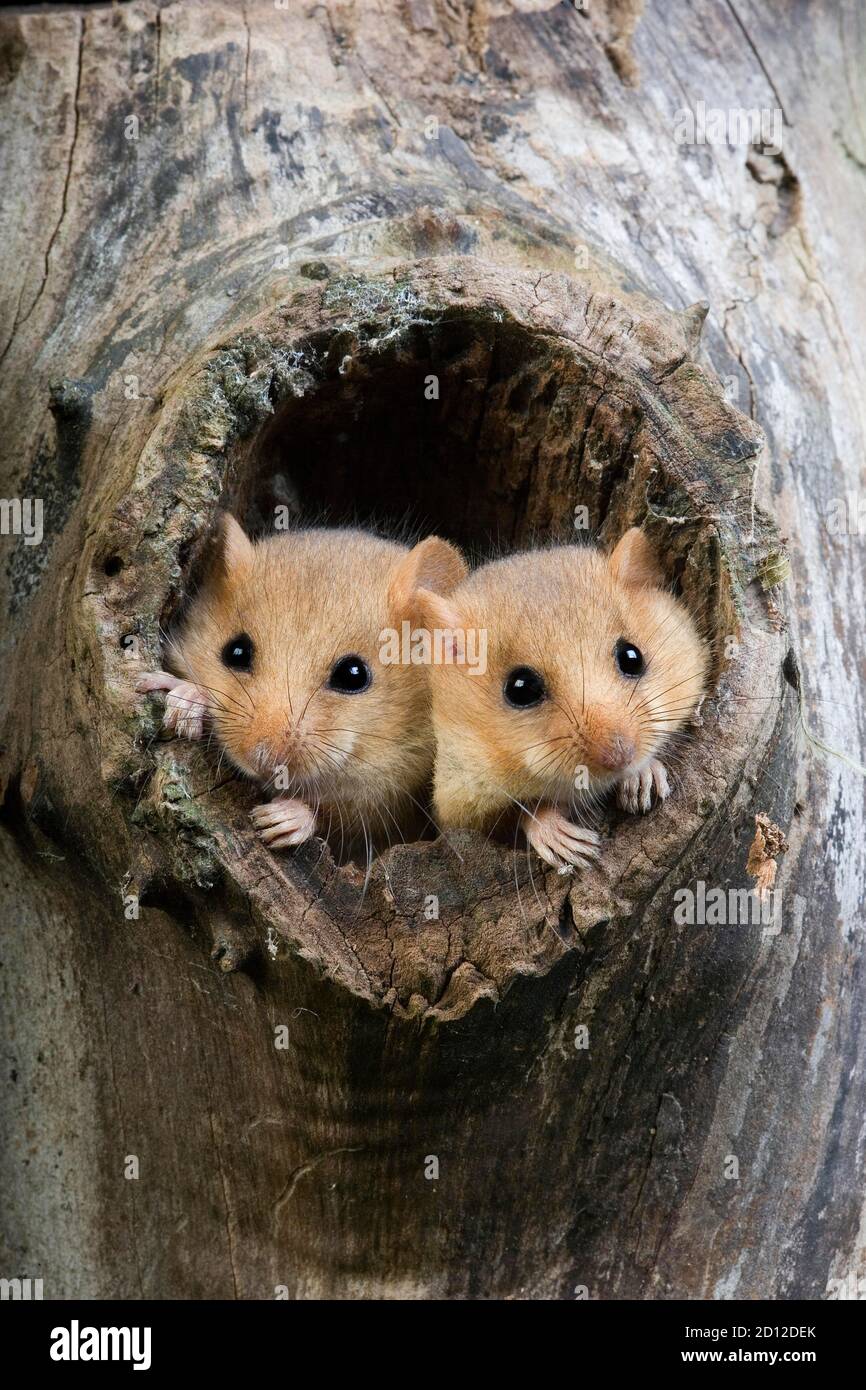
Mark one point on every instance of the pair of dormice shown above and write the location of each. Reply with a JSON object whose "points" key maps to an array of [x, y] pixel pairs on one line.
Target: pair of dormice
{"points": [[345, 674]]}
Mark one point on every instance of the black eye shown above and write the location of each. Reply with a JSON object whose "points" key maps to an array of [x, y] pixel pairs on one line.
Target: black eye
{"points": [[629, 658], [350, 675], [237, 653], [523, 687]]}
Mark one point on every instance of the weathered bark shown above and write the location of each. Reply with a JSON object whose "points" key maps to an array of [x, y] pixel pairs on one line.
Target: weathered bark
{"points": [[322, 207]]}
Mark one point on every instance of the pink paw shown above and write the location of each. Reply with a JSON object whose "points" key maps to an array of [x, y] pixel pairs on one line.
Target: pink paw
{"points": [[635, 793], [282, 824], [560, 843], [186, 704]]}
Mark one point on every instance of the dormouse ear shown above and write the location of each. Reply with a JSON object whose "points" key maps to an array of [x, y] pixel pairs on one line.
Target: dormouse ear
{"points": [[633, 561], [433, 566], [234, 549], [435, 612]]}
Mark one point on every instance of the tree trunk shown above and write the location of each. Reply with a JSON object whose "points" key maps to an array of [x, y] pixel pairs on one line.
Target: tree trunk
{"points": [[243, 240]]}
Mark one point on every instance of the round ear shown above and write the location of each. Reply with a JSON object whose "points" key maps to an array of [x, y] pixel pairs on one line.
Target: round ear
{"points": [[633, 561], [434, 566], [435, 612], [234, 549]]}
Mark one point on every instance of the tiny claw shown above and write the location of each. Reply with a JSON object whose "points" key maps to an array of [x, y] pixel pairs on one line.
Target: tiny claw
{"points": [[284, 823], [635, 792], [186, 705], [558, 841], [156, 680]]}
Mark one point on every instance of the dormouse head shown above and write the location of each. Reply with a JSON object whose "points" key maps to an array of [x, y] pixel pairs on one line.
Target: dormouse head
{"points": [[286, 636], [591, 664]]}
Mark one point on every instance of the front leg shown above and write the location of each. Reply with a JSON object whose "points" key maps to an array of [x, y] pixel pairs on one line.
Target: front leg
{"points": [[284, 823], [560, 843], [186, 705], [635, 793]]}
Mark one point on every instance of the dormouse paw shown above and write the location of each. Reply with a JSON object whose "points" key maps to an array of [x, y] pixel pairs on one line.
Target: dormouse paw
{"points": [[282, 824], [635, 793], [186, 705], [559, 842]]}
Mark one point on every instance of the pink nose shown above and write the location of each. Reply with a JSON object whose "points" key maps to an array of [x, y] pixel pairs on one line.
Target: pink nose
{"points": [[615, 754]]}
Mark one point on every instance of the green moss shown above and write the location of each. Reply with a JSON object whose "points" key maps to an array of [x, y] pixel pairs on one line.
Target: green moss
{"points": [[774, 570]]}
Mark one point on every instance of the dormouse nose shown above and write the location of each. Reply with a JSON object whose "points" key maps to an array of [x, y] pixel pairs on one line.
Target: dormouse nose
{"points": [[293, 737], [614, 753]]}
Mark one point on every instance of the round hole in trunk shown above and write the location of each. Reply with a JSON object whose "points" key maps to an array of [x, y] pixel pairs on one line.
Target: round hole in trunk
{"points": [[454, 398]]}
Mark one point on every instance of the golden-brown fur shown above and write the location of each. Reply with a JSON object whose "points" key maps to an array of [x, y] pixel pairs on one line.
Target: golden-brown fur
{"points": [[306, 599], [561, 612]]}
